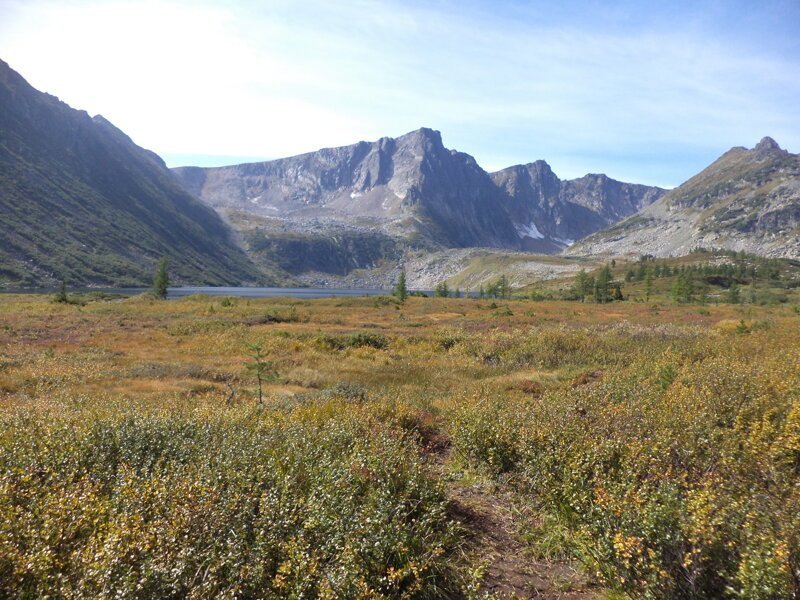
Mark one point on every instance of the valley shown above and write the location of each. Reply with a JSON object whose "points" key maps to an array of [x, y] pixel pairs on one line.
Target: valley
{"points": [[380, 369]]}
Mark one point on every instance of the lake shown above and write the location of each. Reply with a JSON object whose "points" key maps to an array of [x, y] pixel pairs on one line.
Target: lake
{"points": [[243, 292], [266, 292]]}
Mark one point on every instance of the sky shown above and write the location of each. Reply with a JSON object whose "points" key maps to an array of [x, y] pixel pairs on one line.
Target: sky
{"points": [[650, 92]]}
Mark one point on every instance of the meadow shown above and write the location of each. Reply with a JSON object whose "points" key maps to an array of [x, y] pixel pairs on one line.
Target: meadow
{"points": [[435, 448]]}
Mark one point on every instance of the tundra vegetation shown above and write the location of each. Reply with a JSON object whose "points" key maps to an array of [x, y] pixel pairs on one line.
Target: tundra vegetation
{"points": [[223, 447]]}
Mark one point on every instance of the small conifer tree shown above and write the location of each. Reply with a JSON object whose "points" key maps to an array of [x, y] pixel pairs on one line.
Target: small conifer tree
{"points": [[400, 288], [260, 367], [61, 294], [602, 285], [583, 286], [161, 280], [503, 288], [648, 285], [734, 295]]}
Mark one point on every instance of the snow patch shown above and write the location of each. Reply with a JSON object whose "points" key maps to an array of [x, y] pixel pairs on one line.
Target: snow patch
{"points": [[565, 242], [529, 231], [354, 195]]}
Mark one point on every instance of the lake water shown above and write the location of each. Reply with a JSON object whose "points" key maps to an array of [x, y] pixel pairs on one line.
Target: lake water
{"points": [[243, 292], [264, 292]]}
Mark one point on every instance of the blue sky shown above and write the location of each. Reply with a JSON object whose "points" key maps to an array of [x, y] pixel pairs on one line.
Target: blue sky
{"points": [[643, 91]]}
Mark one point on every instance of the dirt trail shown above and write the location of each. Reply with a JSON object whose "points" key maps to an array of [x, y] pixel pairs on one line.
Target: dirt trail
{"points": [[487, 515]]}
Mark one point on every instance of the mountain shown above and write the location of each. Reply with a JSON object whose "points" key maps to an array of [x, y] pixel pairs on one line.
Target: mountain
{"points": [[551, 213], [80, 201], [746, 200], [411, 186], [362, 206]]}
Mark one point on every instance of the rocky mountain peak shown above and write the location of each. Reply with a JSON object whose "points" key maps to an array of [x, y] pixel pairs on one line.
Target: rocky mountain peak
{"points": [[423, 136], [541, 167], [766, 144]]}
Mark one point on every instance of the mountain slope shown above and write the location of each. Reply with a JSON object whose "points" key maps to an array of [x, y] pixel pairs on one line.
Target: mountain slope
{"points": [[80, 201], [746, 200], [399, 194]]}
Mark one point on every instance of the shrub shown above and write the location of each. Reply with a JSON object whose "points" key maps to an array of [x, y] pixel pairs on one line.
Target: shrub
{"points": [[678, 470], [305, 503], [354, 340]]}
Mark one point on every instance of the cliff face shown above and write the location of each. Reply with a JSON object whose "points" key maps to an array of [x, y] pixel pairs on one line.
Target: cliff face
{"points": [[556, 213], [746, 200], [80, 201]]}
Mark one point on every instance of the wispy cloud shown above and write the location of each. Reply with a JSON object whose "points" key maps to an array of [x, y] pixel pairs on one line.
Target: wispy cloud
{"points": [[620, 92]]}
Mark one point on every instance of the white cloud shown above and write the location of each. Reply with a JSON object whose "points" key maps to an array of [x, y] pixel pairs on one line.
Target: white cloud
{"points": [[280, 77]]}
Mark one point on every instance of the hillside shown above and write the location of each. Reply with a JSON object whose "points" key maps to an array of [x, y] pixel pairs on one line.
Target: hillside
{"points": [[747, 200], [80, 201]]}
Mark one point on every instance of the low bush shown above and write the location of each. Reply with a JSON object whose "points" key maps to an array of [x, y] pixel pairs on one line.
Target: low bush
{"points": [[305, 503], [678, 469], [353, 340]]}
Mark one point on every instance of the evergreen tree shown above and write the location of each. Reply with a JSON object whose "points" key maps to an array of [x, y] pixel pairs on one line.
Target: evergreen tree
{"points": [[503, 288], [688, 287], [261, 368], [703, 293], [441, 290], [161, 280], [648, 285], [400, 288], [61, 294], [734, 295], [641, 271], [581, 288], [601, 287], [683, 287], [676, 290]]}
